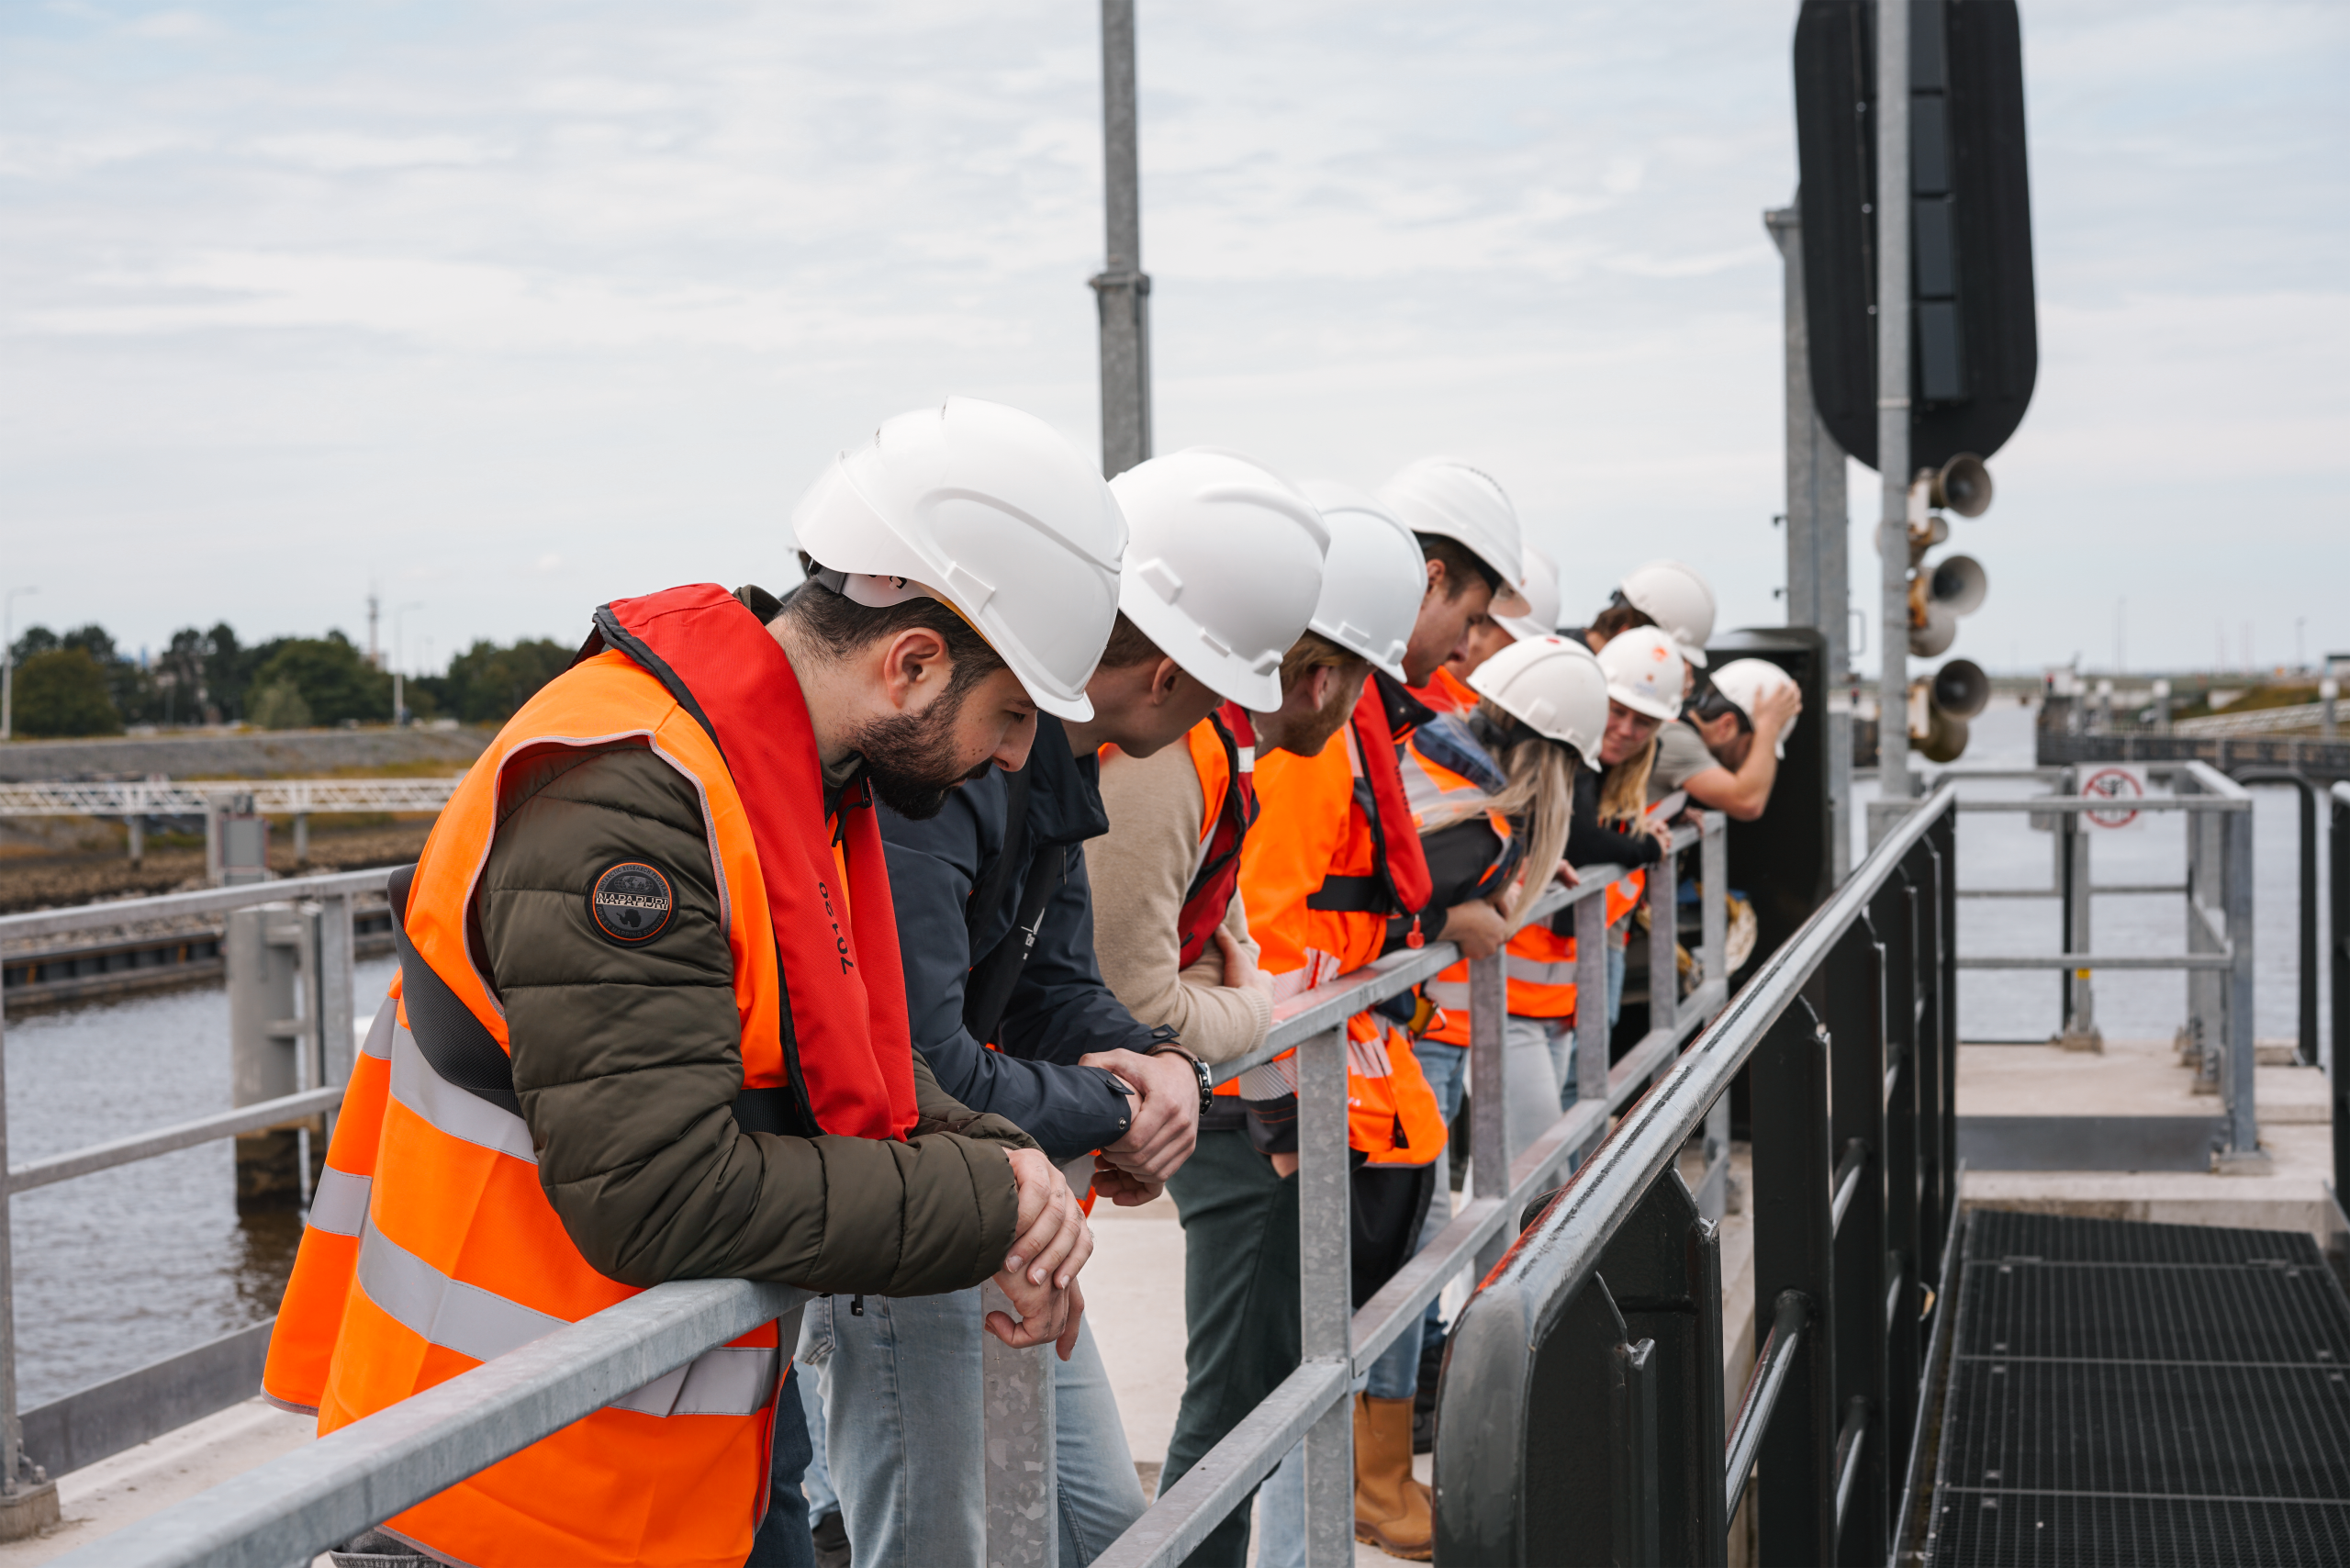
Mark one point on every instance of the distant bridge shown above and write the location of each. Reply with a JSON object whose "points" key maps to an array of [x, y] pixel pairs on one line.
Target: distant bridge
{"points": [[270, 796]]}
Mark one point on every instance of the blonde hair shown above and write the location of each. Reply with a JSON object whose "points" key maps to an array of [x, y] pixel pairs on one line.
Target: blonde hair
{"points": [[1313, 651], [1624, 789], [1541, 794]]}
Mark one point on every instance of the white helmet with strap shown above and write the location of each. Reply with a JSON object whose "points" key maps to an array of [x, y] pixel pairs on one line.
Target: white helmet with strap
{"points": [[1554, 686], [1453, 500], [1747, 681], [1541, 591], [1676, 599], [1222, 568], [1373, 579], [1645, 671], [992, 511]]}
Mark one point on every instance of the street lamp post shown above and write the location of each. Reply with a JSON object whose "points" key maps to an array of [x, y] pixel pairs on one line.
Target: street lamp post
{"points": [[8, 660], [399, 704]]}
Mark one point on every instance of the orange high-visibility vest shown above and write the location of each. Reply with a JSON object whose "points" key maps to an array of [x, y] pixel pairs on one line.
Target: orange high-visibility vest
{"points": [[1446, 692], [1309, 830], [432, 1248]]}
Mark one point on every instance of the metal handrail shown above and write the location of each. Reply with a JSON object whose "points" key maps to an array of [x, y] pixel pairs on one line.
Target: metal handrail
{"points": [[351, 1479], [1544, 1274], [1556, 1257], [207, 900], [261, 1114], [1313, 1395], [1300, 1017]]}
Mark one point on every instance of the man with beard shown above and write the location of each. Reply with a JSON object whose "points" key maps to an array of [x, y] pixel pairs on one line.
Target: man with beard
{"points": [[651, 1021], [1223, 565]]}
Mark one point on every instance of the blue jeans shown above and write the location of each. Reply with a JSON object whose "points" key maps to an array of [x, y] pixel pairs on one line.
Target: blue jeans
{"points": [[1615, 982], [782, 1541], [817, 1482], [906, 1435]]}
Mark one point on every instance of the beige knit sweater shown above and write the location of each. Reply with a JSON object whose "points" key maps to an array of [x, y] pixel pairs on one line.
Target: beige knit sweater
{"points": [[1140, 871]]}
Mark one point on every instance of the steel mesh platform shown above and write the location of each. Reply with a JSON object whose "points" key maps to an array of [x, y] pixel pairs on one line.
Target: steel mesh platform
{"points": [[2131, 1393]]}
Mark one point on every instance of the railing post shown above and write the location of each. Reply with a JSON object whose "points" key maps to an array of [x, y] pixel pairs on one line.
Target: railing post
{"points": [[2337, 845], [1022, 1492], [1664, 942], [337, 989], [1854, 992], [28, 1496], [1713, 896], [1326, 1290], [1489, 1149], [1591, 1006], [2236, 1072], [1793, 1243], [2080, 1002]]}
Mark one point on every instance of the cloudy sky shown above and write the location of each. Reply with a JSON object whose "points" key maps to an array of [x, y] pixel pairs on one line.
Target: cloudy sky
{"points": [[518, 306]]}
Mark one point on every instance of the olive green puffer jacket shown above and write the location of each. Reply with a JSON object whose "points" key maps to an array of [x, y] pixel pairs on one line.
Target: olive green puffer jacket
{"points": [[627, 1059]]}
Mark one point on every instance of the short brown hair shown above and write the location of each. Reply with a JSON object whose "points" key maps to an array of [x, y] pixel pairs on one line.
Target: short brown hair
{"points": [[1129, 646], [1462, 566], [839, 626], [1617, 619], [1313, 651]]}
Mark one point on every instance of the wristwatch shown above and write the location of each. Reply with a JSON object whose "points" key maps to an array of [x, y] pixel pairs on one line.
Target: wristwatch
{"points": [[1207, 1078]]}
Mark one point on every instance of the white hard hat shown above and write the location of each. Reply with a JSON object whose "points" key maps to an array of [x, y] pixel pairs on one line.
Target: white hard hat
{"points": [[1453, 500], [1677, 600], [1372, 581], [1645, 671], [1554, 686], [1746, 681], [991, 511], [1223, 563], [1541, 591]]}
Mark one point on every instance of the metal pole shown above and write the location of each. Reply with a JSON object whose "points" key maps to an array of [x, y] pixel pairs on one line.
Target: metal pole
{"points": [[1122, 288], [10, 1435], [1326, 1291], [2236, 1071], [1591, 1006], [1023, 1501], [1893, 393], [1489, 1149], [1818, 586]]}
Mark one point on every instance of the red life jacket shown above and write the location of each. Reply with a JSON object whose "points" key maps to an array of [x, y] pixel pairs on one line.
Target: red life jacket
{"points": [[847, 1041], [1223, 750], [1398, 883]]}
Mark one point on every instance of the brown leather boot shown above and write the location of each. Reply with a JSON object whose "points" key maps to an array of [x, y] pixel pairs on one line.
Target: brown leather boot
{"points": [[1392, 1508]]}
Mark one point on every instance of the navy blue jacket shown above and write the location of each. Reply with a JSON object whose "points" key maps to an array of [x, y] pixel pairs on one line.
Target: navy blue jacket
{"points": [[1060, 1010]]}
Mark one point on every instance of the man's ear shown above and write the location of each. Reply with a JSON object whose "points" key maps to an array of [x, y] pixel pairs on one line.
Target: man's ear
{"points": [[1164, 679], [1437, 576], [913, 663], [1320, 683]]}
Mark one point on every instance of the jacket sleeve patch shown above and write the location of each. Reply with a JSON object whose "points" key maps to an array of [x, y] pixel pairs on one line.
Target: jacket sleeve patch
{"points": [[630, 903]]}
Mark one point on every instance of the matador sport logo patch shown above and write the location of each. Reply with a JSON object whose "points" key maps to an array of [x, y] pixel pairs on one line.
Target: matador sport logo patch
{"points": [[631, 902]]}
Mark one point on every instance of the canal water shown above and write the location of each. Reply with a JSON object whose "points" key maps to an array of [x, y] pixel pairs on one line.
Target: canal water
{"points": [[117, 1268]]}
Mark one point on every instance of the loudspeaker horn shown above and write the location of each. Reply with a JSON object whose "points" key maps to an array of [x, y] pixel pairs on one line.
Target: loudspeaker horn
{"points": [[1960, 689], [1945, 737], [1936, 634], [1964, 486], [1959, 582]]}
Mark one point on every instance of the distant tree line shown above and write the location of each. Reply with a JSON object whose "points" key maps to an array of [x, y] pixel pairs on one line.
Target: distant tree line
{"points": [[80, 683]]}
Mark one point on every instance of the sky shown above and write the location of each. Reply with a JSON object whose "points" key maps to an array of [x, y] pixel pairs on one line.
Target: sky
{"points": [[510, 308]]}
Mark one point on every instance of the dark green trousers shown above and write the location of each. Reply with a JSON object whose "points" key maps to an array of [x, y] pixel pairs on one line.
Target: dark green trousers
{"points": [[1239, 1308]]}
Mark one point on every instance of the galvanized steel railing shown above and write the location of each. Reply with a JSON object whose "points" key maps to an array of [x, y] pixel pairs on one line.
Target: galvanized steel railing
{"points": [[332, 1489], [115, 1415], [1592, 1356]]}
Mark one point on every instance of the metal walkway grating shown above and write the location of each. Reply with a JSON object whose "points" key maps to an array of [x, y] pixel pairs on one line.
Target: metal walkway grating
{"points": [[2124, 1393]]}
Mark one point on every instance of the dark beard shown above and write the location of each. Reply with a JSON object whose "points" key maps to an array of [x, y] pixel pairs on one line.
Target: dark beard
{"points": [[909, 758]]}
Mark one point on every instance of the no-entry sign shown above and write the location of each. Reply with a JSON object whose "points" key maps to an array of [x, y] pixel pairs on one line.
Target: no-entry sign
{"points": [[2115, 784]]}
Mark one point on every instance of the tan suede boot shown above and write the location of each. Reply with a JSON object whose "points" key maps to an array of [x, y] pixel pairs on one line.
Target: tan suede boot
{"points": [[1392, 1508]]}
